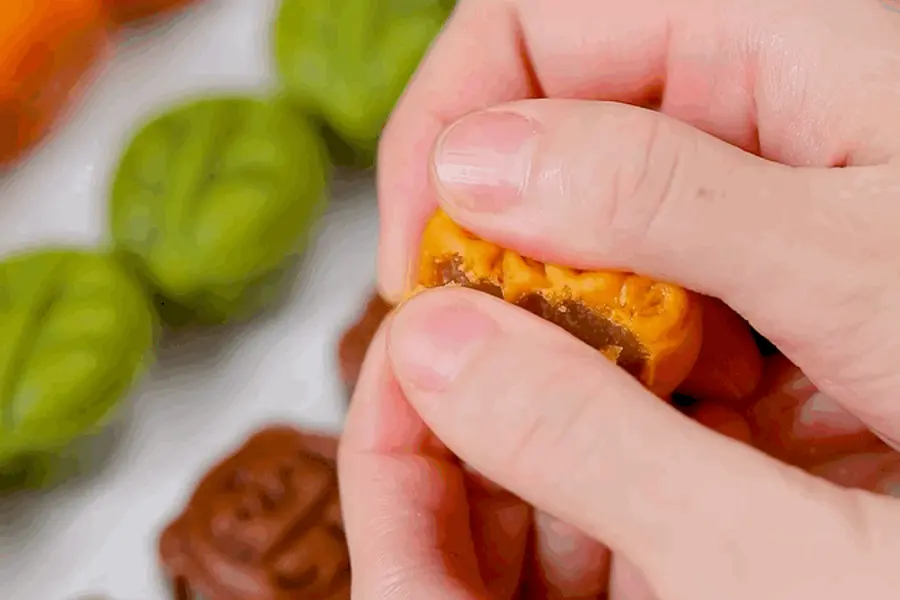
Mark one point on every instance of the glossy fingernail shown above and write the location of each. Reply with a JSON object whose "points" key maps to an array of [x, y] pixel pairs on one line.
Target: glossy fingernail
{"points": [[431, 343], [484, 160], [821, 415]]}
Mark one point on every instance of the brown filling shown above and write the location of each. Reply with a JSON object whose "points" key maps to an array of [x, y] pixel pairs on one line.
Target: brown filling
{"points": [[576, 318], [451, 271]]}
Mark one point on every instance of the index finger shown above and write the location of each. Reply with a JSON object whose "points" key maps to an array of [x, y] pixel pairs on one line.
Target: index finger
{"points": [[475, 63], [582, 440], [497, 51], [709, 64], [403, 497]]}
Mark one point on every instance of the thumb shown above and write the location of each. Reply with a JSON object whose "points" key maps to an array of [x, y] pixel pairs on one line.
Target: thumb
{"points": [[807, 255], [546, 417]]}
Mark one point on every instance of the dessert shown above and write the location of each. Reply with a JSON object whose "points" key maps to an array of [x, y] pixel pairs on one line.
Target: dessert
{"points": [[76, 333], [651, 329], [356, 339], [348, 62], [127, 11], [214, 201], [48, 52], [264, 523], [730, 365]]}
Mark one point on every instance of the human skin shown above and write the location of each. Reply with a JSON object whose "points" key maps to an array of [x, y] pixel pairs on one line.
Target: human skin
{"points": [[767, 178]]}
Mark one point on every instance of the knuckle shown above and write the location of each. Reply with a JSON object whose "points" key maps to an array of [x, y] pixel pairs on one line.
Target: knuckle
{"points": [[644, 180]]}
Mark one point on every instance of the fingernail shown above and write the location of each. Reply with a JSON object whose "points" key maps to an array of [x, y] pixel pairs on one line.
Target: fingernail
{"points": [[431, 343], [821, 415], [483, 161], [889, 486]]}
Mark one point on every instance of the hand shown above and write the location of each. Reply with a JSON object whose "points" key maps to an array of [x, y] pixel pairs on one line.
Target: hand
{"points": [[807, 252]]}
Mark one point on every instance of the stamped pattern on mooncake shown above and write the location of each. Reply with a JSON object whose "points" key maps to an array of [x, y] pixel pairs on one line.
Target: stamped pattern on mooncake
{"points": [[265, 523]]}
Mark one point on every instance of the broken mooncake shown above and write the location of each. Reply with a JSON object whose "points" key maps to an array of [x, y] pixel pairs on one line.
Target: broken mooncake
{"points": [[650, 328]]}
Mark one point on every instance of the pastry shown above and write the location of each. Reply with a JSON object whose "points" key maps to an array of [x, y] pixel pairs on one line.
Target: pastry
{"points": [[356, 339], [650, 328], [263, 524]]}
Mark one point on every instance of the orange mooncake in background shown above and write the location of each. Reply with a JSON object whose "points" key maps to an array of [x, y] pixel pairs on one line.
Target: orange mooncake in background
{"points": [[47, 49], [129, 11]]}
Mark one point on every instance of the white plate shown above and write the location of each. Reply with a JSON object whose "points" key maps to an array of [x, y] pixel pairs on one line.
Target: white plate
{"points": [[98, 534]]}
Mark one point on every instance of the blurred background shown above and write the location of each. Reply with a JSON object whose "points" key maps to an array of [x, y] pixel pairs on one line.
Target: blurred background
{"points": [[75, 95]]}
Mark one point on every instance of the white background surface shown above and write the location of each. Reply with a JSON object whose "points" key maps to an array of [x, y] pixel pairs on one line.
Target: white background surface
{"points": [[98, 534]]}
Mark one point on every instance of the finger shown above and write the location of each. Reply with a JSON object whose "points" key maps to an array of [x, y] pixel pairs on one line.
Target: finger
{"points": [[795, 422], [566, 563], [403, 498], [500, 525], [654, 196], [449, 83], [712, 62], [626, 580], [549, 419], [598, 185], [628, 583], [888, 483], [482, 58], [878, 472], [715, 66]]}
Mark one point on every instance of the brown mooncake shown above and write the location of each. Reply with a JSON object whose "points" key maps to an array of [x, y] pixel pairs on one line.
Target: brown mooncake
{"points": [[263, 524], [356, 339]]}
